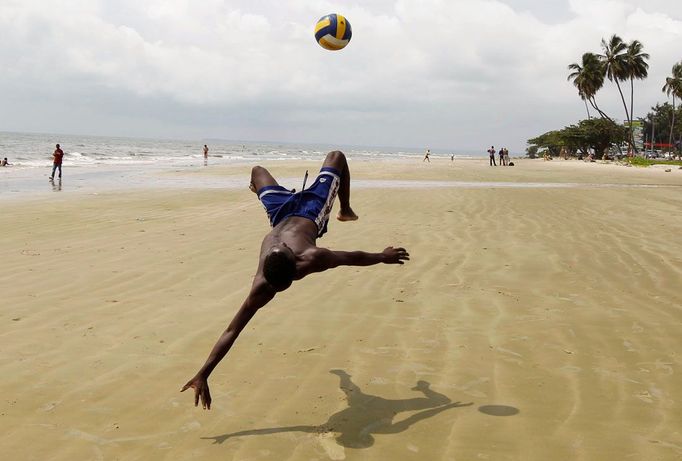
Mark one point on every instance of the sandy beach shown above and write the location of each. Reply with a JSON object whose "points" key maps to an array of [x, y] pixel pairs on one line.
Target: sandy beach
{"points": [[538, 319]]}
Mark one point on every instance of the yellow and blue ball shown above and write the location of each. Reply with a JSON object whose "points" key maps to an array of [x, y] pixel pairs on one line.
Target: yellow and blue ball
{"points": [[333, 32]]}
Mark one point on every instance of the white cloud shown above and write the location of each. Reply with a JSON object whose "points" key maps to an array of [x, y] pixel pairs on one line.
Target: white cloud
{"points": [[442, 73]]}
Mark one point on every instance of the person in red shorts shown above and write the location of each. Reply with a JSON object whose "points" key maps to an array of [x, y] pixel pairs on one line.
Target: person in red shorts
{"points": [[57, 162]]}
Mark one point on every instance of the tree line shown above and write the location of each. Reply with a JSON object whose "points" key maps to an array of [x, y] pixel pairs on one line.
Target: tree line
{"points": [[621, 63]]}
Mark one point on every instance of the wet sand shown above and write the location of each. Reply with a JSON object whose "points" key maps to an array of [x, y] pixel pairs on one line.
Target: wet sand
{"points": [[531, 323]]}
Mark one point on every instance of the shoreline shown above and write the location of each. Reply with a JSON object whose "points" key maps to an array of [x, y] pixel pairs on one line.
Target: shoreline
{"points": [[395, 173]]}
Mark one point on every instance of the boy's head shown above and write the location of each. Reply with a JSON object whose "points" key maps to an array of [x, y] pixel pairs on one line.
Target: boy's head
{"points": [[279, 267]]}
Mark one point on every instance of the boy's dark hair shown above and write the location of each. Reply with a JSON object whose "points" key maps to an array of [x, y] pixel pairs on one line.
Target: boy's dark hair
{"points": [[279, 269]]}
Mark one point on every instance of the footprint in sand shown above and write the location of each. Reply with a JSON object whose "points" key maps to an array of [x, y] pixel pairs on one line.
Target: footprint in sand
{"points": [[191, 426], [335, 451]]}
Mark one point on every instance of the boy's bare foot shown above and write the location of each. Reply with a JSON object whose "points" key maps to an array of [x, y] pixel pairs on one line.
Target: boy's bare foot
{"points": [[347, 215]]}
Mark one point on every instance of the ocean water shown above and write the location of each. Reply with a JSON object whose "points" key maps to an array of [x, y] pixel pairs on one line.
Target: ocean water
{"points": [[28, 150], [96, 164]]}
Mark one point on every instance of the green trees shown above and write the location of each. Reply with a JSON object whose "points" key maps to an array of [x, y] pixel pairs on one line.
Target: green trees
{"points": [[596, 134], [673, 85], [618, 62], [614, 64], [588, 78], [637, 68], [658, 122], [550, 141]]}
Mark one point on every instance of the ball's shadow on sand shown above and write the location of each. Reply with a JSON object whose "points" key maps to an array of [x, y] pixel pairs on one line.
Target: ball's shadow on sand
{"points": [[366, 415], [498, 410]]}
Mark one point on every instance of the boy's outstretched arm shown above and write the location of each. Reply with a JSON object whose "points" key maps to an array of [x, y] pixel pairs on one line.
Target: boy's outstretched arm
{"points": [[261, 293], [328, 259]]}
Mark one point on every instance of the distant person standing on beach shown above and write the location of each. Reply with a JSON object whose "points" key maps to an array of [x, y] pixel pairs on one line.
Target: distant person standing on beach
{"points": [[205, 151], [426, 156], [57, 162], [506, 156], [491, 153], [501, 154]]}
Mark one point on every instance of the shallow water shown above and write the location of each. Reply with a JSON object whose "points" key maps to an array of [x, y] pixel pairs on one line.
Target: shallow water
{"points": [[32, 183]]}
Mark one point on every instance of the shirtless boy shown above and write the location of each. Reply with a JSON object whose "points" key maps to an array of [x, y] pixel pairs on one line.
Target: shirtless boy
{"points": [[289, 252]]}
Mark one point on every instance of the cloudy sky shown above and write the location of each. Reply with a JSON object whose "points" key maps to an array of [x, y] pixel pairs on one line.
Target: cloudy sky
{"points": [[449, 74]]}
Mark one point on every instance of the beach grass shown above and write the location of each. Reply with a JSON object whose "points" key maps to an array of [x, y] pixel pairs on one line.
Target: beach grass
{"points": [[641, 161]]}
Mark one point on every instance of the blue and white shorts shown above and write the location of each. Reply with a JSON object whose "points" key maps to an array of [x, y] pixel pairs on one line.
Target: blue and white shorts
{"points": [[314, 203]]}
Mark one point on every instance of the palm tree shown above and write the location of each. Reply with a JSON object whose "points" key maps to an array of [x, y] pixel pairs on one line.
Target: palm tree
{"points": [[636, 67], [673, 85], [588, 78], [579, 81], [615, 66]]}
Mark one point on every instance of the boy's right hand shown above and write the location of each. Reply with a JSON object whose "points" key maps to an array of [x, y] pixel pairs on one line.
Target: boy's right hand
{"points": [[201, 391]]}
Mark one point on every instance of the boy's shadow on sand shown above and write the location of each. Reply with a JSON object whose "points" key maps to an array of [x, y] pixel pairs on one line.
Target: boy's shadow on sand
{"points": [[365, 415]]}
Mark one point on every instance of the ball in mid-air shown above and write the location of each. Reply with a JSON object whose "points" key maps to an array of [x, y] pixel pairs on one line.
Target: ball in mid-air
{"points": [[333, 32]]}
